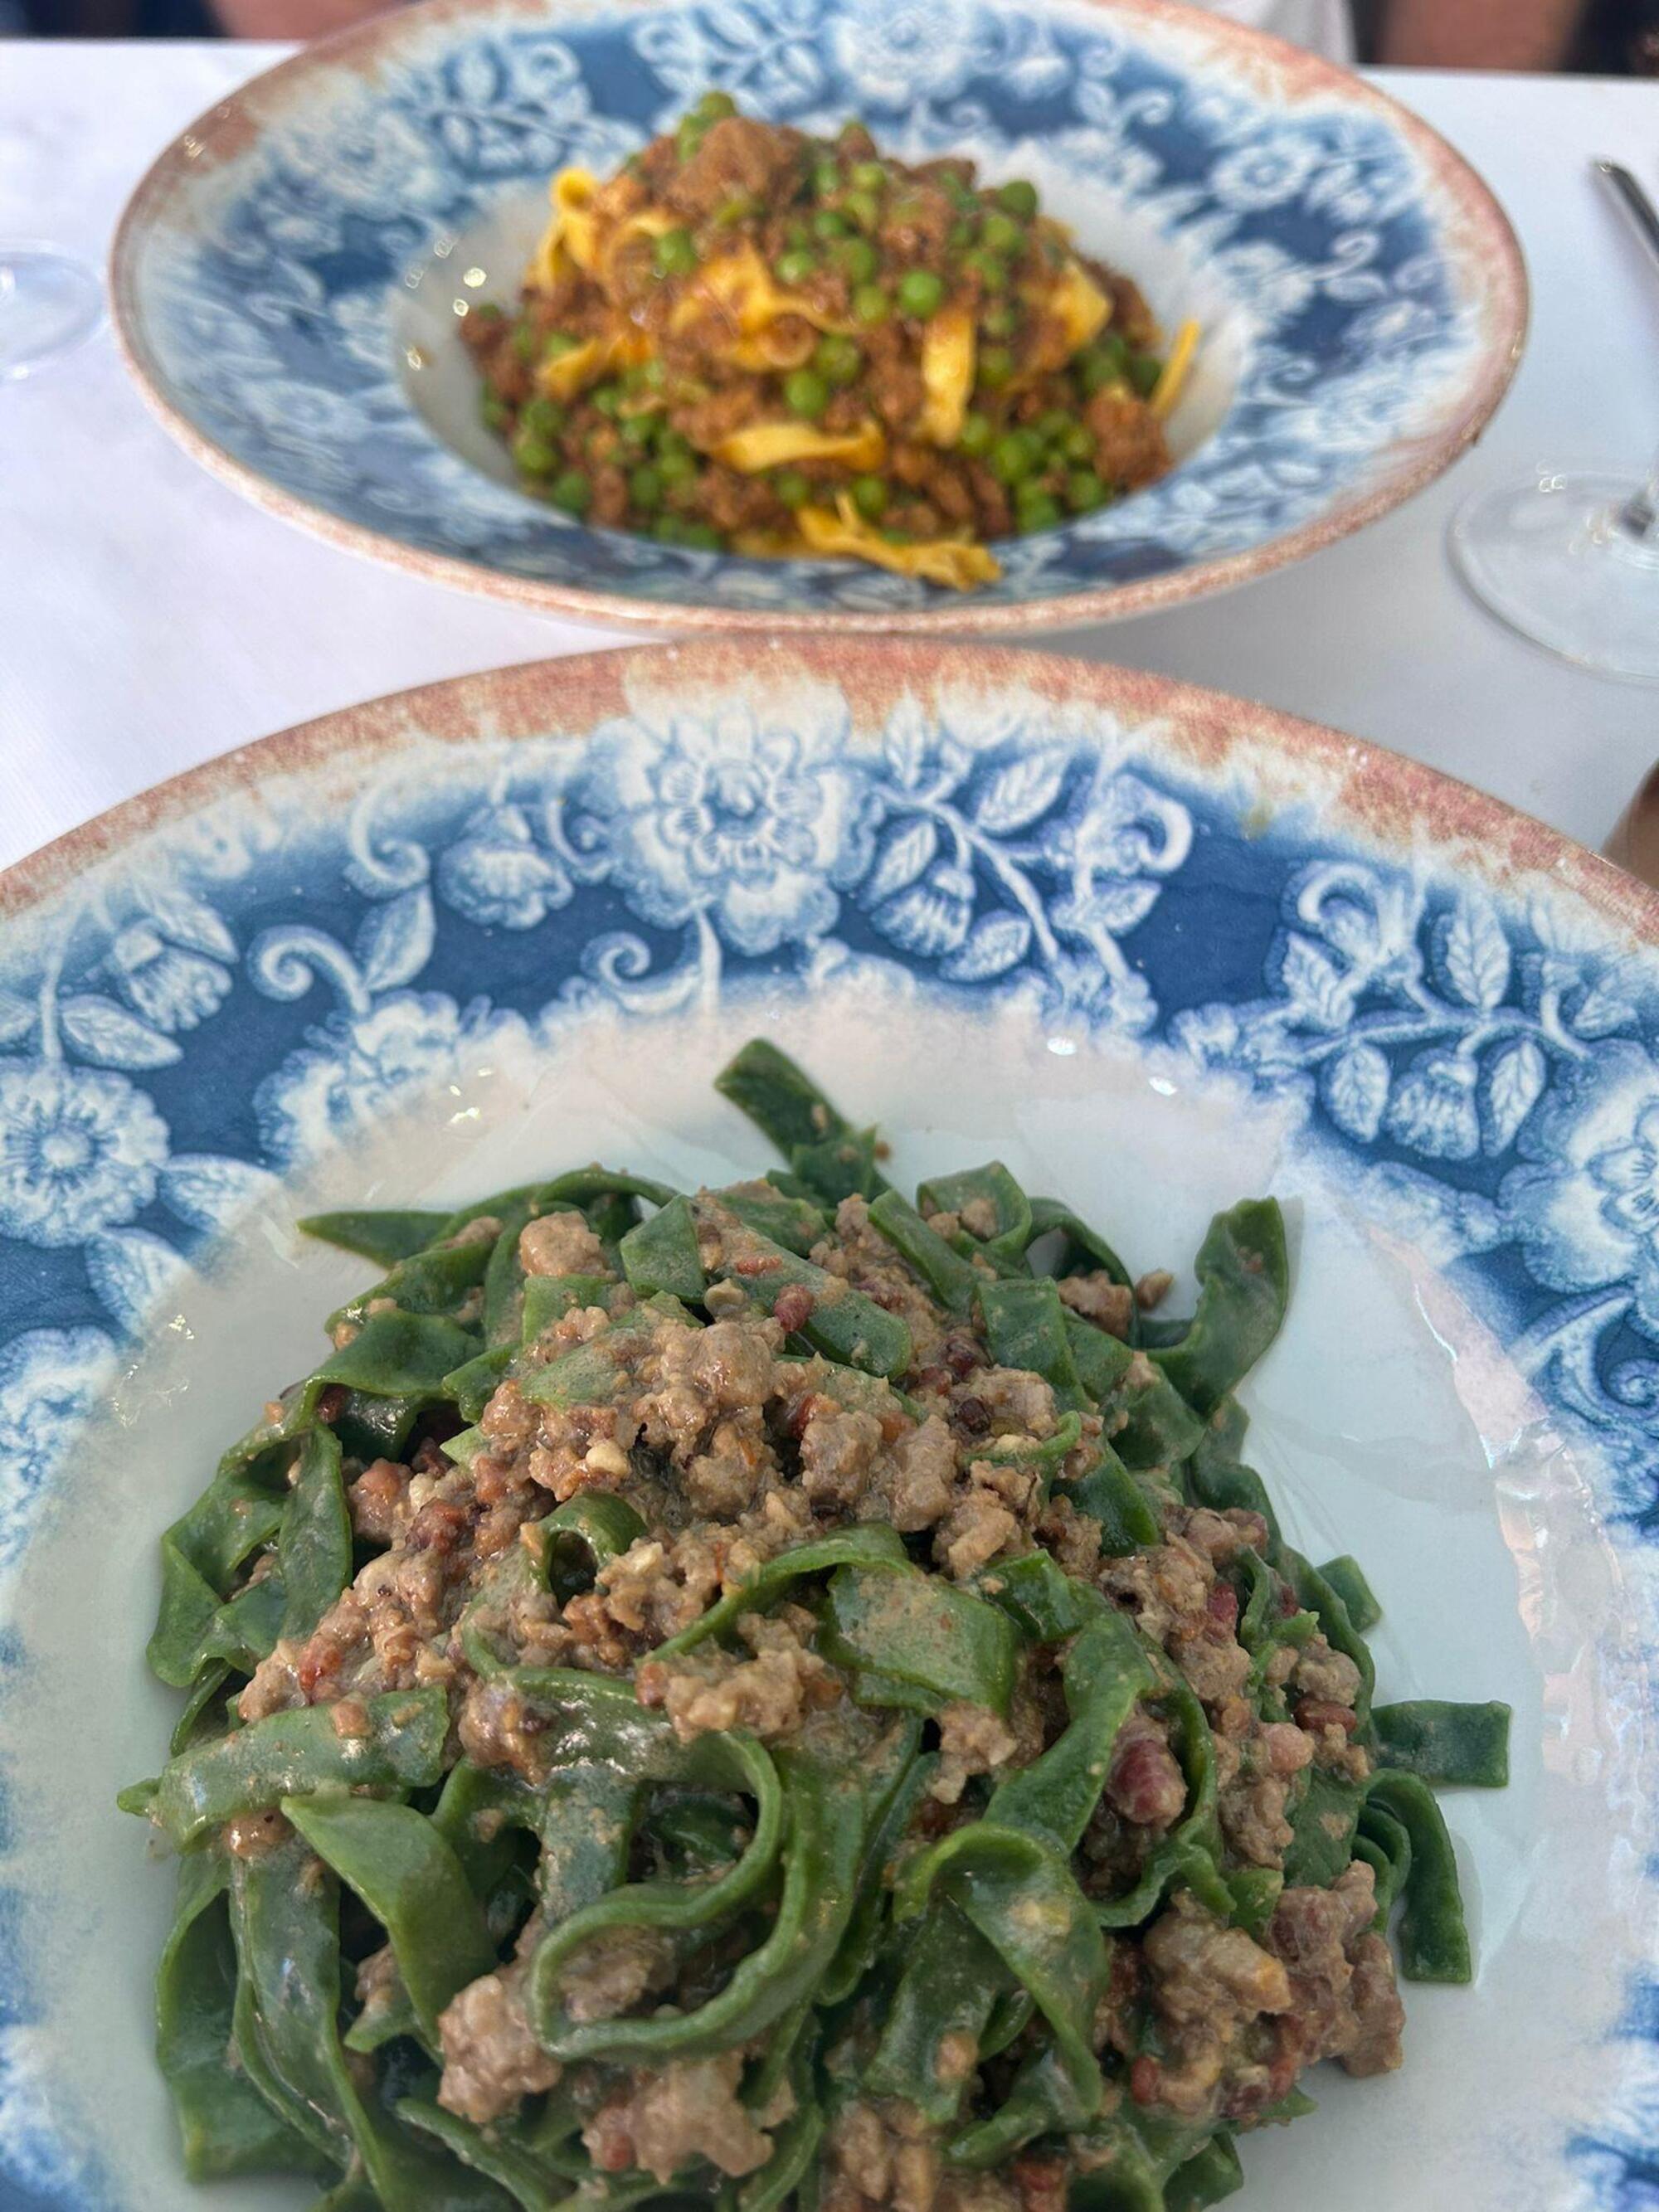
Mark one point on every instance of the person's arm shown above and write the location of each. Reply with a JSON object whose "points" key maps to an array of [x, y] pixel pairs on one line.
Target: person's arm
{"points": [[1495, 34], [291, 19]]}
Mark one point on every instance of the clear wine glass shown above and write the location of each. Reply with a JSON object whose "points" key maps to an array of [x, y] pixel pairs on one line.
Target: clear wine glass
{"points": [[1571, 560], [49, 303]]}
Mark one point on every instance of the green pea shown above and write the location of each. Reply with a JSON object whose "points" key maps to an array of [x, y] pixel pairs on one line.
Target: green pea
{"points": [[689, 135], [859, 258], [645, 489], [795, 266], [996, 366], [1084, 491], [1102, 363], [739, 209], [572, 491], [542, 417], [792, 487], [1002, 235], [962, 234], [921, 293], [991, 270], [828, 226], [805, 393], [494, 411], [1144, 371], [826, 176], [1014, 455], [639, 429], [870, 497], [999, 319], [675, 253], [963, 194], [668, 529], [702, 535], [558, 344], [714, 104], [1018, 198], [525, 344], [608, 398], [534, 456], [798, 233], [676, 464], [974, 436], [870, 304], [837, 359], [862, 208], [1039, 511], [1053, 426], [654, 374], [867, 176]]}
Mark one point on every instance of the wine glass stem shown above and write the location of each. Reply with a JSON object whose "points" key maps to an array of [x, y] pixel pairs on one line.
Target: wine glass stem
{"points": [[1639, 518]]}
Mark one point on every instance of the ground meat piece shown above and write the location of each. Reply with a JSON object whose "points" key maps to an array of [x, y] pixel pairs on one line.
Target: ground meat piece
{"points": [[1216, 1665], [1130, 448], [497, 1728], [561, 1244], [1018, 1403], [1109, 1305], [1074, 1537], [674, 2115], [721, 1482], [1152, 1288], [1253, 1821], [773, 1694], [838, 1451], [1165, 1586], [376, 1499], [1324, 1673], [1145, 1783], [881, 2153], [922, 1476], [1222, 1536], [491, 2059], [977, 1527], [608, 1976], [737, 156], [1379, 2017], [971, 1741], [1206, 1981], [1344, 2003], [656, 1589], [693, 1376]]}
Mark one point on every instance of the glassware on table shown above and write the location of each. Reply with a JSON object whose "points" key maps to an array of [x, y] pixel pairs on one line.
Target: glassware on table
{"points": [[50, 302], [1572, 563], [1570, 560]]}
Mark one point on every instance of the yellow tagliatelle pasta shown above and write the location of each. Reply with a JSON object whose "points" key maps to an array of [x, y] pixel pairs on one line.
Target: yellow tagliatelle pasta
{"points": [[748, 338], [952, 560], [1173, 377], [948, 351], [775, 445]]}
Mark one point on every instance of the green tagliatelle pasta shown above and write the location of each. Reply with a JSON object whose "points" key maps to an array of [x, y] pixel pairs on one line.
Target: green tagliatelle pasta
{"points": [[778, 1696]]}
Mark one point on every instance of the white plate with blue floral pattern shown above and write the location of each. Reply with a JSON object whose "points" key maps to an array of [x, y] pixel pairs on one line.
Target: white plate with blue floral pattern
{"points": [[287, 279], [1154, 947]]}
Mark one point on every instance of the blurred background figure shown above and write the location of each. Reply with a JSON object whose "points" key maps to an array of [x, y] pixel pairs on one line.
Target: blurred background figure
{"points": [[1613, 36]]}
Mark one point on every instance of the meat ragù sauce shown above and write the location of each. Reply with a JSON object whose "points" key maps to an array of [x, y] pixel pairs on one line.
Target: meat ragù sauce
{"points": [[754, 340]]}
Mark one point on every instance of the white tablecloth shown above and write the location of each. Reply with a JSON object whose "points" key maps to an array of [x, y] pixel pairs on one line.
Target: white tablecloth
{"points": [[150, 618]]}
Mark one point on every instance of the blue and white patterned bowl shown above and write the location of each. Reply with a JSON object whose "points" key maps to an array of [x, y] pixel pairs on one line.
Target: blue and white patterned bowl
{"points": [[287, 278], [1154, 947]]}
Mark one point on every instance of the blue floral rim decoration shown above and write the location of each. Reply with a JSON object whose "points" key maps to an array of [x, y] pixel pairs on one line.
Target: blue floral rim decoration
{"points": [[1363, 294], [213, 987]]}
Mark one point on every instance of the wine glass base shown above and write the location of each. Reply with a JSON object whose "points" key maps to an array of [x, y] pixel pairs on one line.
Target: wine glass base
{"points": [[49, 303], [1552, 561]]}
